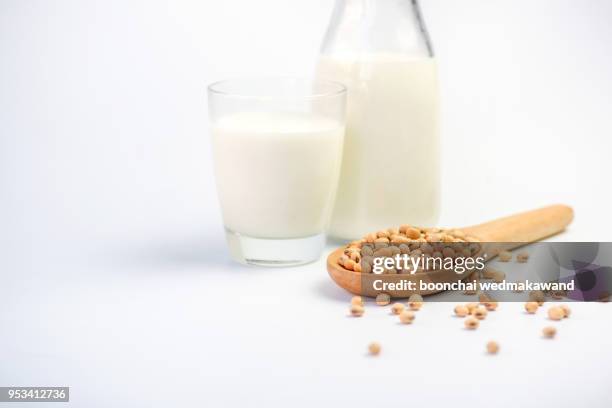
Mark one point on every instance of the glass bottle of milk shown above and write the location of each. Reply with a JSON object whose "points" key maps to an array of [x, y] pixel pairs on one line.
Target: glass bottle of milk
{"points": [[390, 171]]}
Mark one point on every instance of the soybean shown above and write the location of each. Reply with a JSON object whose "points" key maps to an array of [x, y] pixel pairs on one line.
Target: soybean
{"points": [[415, 301], [357, 300], [505, 256], [492, 347], [566, 311], [522, 257], [549, 332], [480, 313], [357, 310], [531, 307], [471, 323], [556, 313], [407, 317], [397, 308], [374, 348], [461, 311], [383, 299]]}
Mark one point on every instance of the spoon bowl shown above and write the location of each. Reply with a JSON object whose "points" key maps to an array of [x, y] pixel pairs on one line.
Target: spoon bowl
{"points": [[495, 236]]}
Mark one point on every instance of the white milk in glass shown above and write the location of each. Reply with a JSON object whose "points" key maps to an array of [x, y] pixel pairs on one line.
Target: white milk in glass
{"points": [[277, 172], [390, 167]]}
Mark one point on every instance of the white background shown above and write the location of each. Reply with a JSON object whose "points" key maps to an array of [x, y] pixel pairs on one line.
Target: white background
{"points": [[115, 279]]}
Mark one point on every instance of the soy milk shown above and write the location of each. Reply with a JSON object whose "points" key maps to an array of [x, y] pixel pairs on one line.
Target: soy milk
{"points": [[390, 167], [277, 173]]}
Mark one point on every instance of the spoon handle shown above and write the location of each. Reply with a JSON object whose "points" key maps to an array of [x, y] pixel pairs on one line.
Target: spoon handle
{"points": [[525, 227]]}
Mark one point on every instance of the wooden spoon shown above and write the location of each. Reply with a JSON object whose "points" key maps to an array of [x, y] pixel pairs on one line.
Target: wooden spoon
{"points": [[511, 232]]}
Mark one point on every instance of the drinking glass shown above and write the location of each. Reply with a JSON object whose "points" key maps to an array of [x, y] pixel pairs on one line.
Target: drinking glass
{"points": [[277, 149]]}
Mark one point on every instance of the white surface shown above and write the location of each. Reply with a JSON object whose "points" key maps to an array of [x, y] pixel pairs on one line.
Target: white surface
{"points": [[114, 274]]}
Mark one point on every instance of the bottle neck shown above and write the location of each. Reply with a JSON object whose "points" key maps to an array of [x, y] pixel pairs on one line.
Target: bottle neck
{"points": [[371, 6], [378, 25]]}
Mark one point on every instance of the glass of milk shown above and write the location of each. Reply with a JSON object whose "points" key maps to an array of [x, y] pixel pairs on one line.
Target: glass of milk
{"points": [[277, 146]]}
